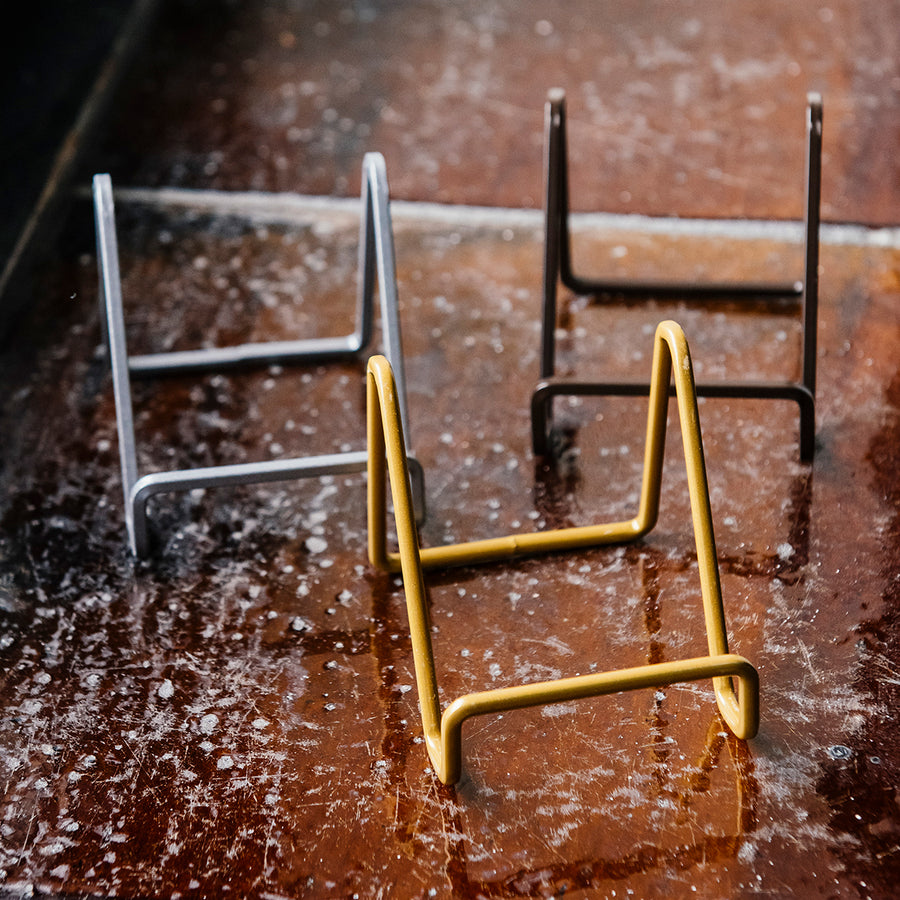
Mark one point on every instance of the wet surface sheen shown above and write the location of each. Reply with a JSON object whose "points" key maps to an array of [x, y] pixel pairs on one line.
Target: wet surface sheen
{"points": [[237, 715], [241, 709]]}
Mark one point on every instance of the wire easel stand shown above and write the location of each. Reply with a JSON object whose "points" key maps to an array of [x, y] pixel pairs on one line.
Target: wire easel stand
{"points": [[558, 267], [376, 261], [443, 731]]}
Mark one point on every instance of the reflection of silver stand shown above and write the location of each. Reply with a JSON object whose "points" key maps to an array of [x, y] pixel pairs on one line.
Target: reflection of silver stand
{"points": [[558, 267], [376, 255]]}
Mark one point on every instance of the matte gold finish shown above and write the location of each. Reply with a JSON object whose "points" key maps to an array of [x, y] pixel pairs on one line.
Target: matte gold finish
{"points": [[443, 733]]}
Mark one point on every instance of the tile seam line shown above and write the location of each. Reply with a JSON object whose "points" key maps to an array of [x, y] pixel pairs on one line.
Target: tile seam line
{"points": [[298, 207]]}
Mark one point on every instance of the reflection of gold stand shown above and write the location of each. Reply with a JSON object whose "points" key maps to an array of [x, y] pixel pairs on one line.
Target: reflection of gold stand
{"points": [[705, 848], [443, 732]]}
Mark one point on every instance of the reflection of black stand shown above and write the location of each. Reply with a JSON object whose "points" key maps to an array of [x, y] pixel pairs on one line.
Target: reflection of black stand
{"points": [[376, 257], [558, 266]]}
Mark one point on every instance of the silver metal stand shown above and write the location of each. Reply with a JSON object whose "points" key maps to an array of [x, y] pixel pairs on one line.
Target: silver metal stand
{"points": [[376, 258]]}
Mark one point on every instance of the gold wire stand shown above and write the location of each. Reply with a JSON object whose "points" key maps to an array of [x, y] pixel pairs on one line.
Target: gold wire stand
{"points": [[443, 732]]}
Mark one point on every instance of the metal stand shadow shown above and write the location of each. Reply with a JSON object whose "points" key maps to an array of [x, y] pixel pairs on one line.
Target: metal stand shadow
{"points": [[558, 266], [443, 731], [376, 256]]}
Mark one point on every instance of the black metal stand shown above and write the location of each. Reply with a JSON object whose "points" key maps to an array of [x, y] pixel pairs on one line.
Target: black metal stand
{"points": [[558, 267]]}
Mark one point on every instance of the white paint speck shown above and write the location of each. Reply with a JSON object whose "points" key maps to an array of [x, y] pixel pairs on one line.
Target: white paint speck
{"points": [[208, 723], [166, 689], [316, 544], [224, 762]]}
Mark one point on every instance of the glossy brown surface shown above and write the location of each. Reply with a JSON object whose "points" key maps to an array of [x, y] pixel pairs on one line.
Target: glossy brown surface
{"points": [[237, 716], [690, 109]]}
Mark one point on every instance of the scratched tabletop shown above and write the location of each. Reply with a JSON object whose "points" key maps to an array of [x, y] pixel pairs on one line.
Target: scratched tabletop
{"points": [[237, 714]]}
